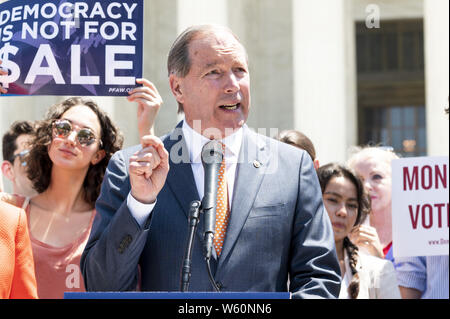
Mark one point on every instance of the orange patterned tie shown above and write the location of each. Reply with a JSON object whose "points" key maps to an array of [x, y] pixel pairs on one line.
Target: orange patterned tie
{"points": [[222, 211]]}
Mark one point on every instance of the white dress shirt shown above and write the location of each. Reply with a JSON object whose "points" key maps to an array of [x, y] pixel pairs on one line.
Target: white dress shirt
{"points": [[195, 143]]}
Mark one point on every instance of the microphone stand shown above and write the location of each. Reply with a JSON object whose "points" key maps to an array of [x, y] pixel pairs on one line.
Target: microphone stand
{"points": [[194, 214], [208, 245]]}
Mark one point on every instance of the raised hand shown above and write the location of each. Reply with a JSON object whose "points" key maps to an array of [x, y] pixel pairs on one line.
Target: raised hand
{"points": [[366, 237], [149, 101]]}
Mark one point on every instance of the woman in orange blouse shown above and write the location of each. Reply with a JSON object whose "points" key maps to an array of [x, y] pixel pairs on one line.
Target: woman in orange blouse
{"points": [[17, 278]]}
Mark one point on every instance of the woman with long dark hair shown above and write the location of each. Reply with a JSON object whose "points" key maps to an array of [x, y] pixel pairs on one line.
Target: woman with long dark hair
{"points": [[66, 164], [70, 152], [347, 204]]}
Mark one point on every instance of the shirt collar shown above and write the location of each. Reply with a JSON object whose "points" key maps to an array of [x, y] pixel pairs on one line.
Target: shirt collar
{"points": [[196, 141]]}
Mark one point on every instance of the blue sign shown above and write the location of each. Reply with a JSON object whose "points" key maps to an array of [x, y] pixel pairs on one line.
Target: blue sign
{"points": [[71, 47]]}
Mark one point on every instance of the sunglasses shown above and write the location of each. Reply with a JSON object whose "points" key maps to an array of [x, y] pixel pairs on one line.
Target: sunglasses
{"points": [[85, 136], [22, 157]]}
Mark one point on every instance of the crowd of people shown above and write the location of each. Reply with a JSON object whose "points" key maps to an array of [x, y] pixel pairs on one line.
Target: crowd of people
{"points": [[87, 215]]}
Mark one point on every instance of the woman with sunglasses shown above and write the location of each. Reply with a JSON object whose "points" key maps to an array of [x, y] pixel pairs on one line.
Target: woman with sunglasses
{"points": [[70, 153], [66, 164]]}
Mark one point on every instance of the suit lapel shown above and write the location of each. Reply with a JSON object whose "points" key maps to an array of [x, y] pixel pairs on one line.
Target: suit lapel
{"points": [[249, 176], [180, 177]]}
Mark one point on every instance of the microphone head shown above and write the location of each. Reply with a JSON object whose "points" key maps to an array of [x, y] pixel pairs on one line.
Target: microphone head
{"points": [[212, 153], [212, 156]]}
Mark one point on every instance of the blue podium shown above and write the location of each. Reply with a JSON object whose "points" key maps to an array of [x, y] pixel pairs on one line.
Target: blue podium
{"points": [[178, 295]]}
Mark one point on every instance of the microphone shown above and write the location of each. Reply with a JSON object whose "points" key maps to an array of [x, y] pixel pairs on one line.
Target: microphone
{"points": [[212, 156]]}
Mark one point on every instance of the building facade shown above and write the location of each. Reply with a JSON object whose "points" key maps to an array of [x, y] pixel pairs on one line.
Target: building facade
{"points": [[344, 72]]}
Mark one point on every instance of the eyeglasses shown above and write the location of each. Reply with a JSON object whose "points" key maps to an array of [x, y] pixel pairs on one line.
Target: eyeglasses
{"points": [[22, 157], [85, 136]]}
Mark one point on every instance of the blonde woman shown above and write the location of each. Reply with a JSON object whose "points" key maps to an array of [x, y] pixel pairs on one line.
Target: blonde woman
{"points": [[373, 165]]}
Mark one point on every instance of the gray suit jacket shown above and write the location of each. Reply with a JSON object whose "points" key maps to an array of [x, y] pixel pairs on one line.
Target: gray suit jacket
{"points": [[278, 233]]}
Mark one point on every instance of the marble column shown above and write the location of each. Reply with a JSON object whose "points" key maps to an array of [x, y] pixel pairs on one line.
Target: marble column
{"points": [[325, 76], [265, 29], [436, 38]]}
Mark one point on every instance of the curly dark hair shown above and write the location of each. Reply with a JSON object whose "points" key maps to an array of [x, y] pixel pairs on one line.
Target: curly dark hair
{"points": [[40, 165], [325, 174]]}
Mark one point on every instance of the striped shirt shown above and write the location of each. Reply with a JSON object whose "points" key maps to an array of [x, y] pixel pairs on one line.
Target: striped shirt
{"points": [[426, 274]]}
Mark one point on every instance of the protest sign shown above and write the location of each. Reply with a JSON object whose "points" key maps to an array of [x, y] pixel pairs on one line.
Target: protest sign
{"points": [[420, 206], [71, 47]]}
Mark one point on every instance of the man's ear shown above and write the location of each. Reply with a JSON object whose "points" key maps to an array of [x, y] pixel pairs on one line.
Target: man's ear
{"points": [[175, 86], [98, 157], [7, 170]]}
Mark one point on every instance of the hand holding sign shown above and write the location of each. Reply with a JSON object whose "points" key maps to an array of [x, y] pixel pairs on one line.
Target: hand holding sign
{"points": [[149, 101], [7, 78]]}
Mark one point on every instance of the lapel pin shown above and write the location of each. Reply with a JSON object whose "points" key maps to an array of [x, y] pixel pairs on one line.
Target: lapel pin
{"points": [[256, 164]]}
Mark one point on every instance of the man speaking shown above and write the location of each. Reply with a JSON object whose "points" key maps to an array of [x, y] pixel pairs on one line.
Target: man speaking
{"points": [[272, 233]]}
